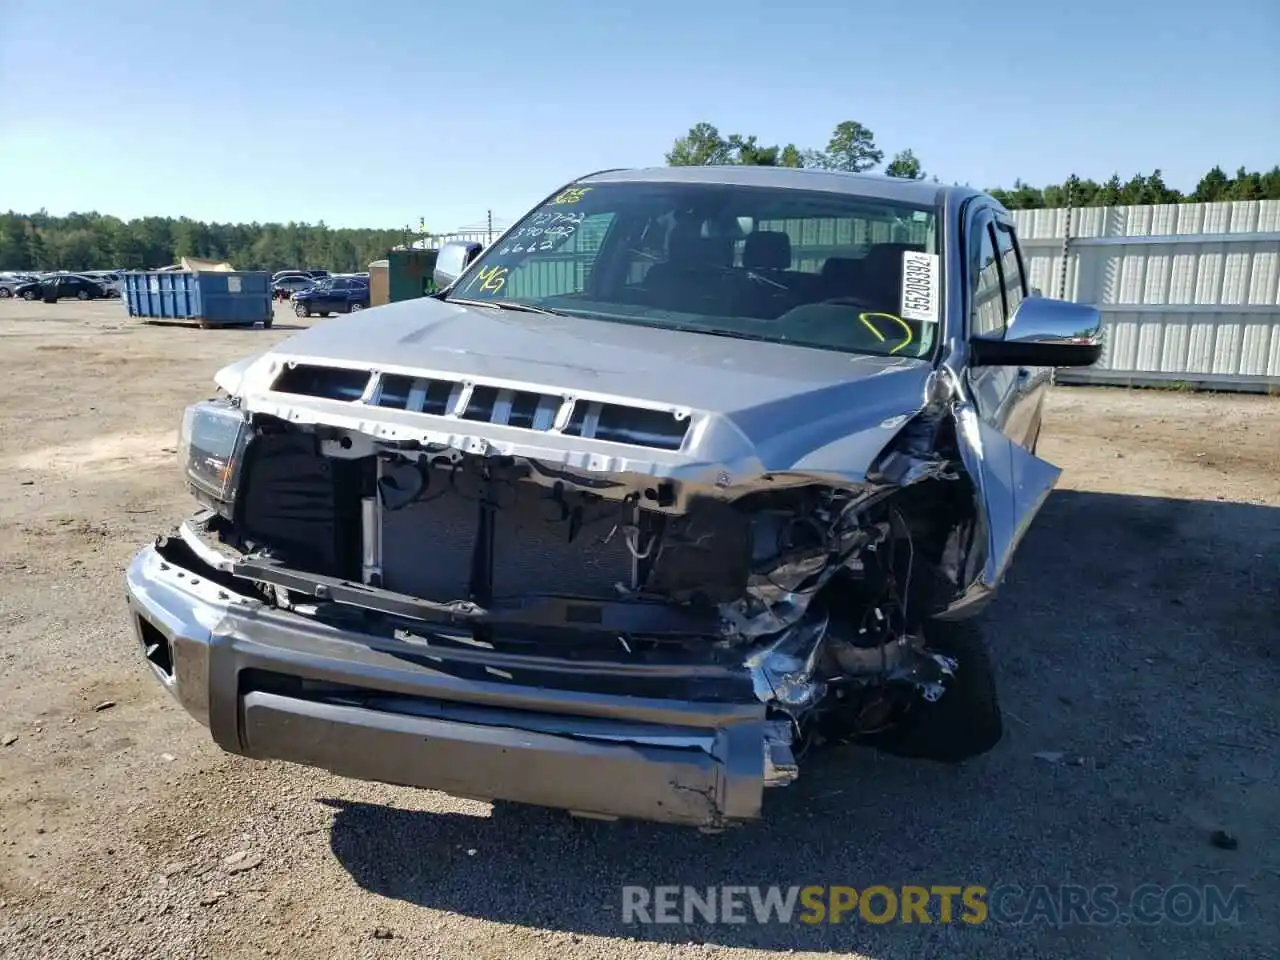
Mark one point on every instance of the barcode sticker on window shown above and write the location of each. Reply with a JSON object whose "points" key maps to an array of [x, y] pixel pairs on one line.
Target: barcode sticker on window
{"points": [[920, 286]]}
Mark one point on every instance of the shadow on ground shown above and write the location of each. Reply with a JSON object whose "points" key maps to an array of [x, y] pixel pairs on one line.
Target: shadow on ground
{"points": [[1120, 641]]}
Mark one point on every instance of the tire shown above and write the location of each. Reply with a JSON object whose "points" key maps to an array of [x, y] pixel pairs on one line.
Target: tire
{"points": [[5, 293], [965, 721], [301, 310], [84, 295], [29, 295], [355, 308]]}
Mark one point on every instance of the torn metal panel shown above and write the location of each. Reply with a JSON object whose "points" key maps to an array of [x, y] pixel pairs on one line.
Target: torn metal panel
{"points": [[1012, 485], [783, 670]]}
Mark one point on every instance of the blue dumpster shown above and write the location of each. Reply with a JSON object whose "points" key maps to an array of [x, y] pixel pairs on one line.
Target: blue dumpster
{"points": [[210, 299]]}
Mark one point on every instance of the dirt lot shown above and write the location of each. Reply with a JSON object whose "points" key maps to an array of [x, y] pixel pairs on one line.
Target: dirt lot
{"points": [[1137, 638]]}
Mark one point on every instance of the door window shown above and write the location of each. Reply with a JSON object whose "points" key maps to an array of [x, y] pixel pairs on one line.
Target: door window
{"points": [[987, 317], [1012, 279]]}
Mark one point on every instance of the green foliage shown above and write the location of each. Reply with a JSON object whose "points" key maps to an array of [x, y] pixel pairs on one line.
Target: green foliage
{"points": [[1214, 187], [746, 151], [703, 145], [86, 241], [904, 165], [790, 157], [852, 147]]}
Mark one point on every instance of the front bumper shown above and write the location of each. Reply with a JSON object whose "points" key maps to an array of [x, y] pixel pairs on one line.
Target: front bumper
{"points": [[272, 684]]}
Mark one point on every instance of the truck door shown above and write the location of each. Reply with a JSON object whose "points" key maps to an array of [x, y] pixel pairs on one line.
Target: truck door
{"points": [[1031, 383], [992, 420]]}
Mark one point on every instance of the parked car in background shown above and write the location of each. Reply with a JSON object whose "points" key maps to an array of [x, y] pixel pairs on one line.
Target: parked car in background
{"points": [[286, 286], [331, 295], [110, 281], [62, 287], [10, 282]]}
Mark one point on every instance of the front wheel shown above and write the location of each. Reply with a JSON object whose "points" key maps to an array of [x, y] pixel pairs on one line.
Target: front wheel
{"points": [[356, 306], [965, 721], [84, 295], [5, 293], [301, 310], [29, 295]]}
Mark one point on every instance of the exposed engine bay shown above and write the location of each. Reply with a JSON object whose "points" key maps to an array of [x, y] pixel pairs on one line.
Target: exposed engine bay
{"points": [[823, 594]]}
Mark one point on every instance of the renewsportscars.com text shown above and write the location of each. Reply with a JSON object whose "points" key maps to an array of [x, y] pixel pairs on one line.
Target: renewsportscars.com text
{"points": [[1006, 904]]}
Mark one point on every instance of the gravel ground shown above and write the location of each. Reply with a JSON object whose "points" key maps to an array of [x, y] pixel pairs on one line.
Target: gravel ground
{"points": [[1135, 643]]}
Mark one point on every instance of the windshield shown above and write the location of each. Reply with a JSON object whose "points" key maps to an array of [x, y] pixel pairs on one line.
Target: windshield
{"points": [[810, 268]]}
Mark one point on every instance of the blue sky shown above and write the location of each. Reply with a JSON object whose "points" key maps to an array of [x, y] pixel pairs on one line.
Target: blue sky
{"points": [[376, 114]]}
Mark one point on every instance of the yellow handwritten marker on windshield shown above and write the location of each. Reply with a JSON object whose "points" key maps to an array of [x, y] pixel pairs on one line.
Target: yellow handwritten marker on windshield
{"points": [[866, 322], [572, 195], [493, 279]]}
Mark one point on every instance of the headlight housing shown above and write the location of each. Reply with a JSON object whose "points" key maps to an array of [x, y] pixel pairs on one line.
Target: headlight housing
{"points": [[210, 448]]}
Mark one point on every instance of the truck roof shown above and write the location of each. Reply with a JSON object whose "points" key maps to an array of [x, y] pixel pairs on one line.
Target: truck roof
{"points": [[873, 186]]}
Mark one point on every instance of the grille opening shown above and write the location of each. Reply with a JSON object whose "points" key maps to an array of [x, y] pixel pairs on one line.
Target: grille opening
{"points": [[578, 421], [483, 400], [648, 428], [331, 383], [523, 408], [155, 647], [394, 391], [630, 425], [437, 399], [397, 392]]}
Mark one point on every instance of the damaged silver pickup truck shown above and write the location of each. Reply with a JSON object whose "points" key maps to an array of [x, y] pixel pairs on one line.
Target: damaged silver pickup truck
{"points": [[690, 472]]}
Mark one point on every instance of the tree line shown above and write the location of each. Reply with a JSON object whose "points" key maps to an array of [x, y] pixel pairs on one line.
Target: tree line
{"points": [[852, 147], [88, 241]]}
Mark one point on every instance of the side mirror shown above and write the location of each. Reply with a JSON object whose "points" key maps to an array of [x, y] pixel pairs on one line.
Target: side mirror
{"points": [[1044, 333], [453, 259]]}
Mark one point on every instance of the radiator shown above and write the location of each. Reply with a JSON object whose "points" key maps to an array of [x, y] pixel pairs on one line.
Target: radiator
{"points": [[427, 546]]}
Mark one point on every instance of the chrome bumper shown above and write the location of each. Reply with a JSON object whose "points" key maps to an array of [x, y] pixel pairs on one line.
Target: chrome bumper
{"points": [[446, 719]]}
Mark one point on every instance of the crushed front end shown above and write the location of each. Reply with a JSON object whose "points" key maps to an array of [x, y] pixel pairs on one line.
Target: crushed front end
{"points": [[507, 593]]}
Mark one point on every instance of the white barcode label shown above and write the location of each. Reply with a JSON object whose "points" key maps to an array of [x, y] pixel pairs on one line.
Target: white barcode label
{"points": [[233, 284], [920, 286]]}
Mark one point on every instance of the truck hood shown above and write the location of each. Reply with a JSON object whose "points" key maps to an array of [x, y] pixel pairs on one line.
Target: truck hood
{"points": [[754, 407]]}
